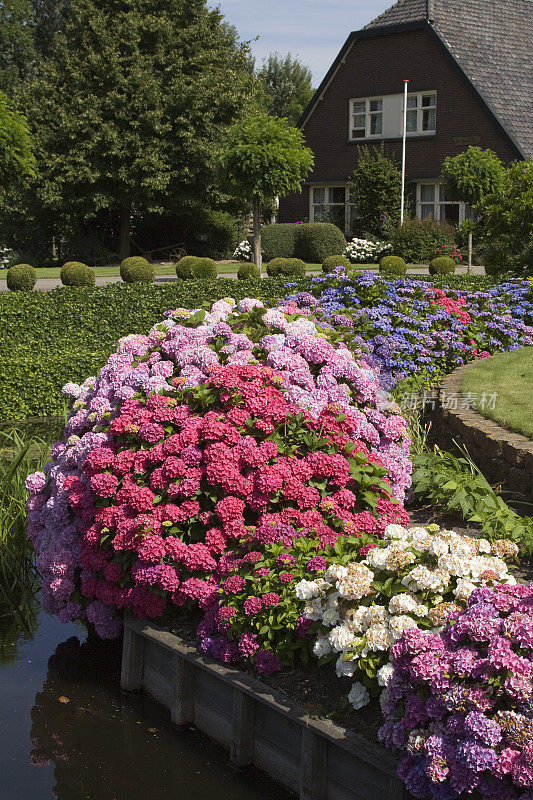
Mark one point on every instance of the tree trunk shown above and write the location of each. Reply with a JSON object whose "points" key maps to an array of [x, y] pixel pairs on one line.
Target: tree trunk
{"points": [[257, 234], [469, 253], [124, 247]]}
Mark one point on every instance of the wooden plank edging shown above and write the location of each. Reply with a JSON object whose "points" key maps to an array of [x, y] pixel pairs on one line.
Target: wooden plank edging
{"points": [[317, 736]]}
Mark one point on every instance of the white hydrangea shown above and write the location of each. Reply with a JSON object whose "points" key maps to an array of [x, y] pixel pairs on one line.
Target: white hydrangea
{"points": [[339, 638], [403, 604], [321, 647], [361, 251], [358, 696], [384, 674], [345, 669], [378, 637], [305, 590], [243, 251], [356, 583], [399, 624]]}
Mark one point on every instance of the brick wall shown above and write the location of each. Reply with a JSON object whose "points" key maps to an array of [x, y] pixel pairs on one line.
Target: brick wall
{"points": [[377, 66]]}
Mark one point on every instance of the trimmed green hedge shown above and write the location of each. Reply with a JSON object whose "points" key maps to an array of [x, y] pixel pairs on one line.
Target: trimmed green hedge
{"points": [[392, 265], [137, 269], [74, 273], [50, 338], [248, 272], [290, 267], [279, 240], [331, 262], [442, 265], [196, 267], [21, 278]]}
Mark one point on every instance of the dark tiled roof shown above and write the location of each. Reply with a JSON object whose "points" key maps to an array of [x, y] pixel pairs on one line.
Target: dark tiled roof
{"points": [[491, 40]]}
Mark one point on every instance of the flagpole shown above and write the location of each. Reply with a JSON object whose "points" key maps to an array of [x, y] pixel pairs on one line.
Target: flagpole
{"points": [[405, 83]]}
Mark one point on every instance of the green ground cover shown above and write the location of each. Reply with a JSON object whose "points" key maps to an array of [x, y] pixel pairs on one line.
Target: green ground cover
{"points": [[508, 376]]}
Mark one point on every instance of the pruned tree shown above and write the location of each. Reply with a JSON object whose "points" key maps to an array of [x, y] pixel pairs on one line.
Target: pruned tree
{"points": [[288, 86], [263, 157]]}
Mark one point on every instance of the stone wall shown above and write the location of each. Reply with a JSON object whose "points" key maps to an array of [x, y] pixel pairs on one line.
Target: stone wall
{"points": [[504, 457]]}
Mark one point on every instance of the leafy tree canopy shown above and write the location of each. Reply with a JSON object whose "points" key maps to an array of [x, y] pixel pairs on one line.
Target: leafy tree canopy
{"points": [[131, 105], [17, 52], [376, 190], [472, 175], [16, 148], [288, 85]]}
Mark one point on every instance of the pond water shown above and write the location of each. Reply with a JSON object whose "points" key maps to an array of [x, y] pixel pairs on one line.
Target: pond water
{"points": [[67, 732]]}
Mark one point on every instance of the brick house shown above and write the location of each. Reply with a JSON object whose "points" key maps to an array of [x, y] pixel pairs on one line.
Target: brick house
{"points": [[470, 82]]}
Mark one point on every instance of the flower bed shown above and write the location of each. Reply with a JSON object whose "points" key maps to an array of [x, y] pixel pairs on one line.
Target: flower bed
{"points": [[416, 332], [365, 251], [460, 702], [215, 428]]}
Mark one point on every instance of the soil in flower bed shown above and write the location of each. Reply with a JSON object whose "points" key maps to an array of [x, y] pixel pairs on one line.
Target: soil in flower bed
{"points": [[318, 689]]}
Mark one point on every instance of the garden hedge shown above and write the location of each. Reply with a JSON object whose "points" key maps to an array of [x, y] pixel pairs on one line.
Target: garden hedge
{"points": [[74, 273], [442, 265], [21, 278], [49, 338], [331, 262], [137, 269], [290, 267], [196, 267], [392, 265], [248, 272], [278, 240], [418, 240], [318, 240]]}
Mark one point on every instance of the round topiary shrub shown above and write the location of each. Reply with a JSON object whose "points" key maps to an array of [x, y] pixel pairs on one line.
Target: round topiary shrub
{"points": [[137, 269], [248, 272], [198, 438], [289, 267], [74, 273], [196, 267], [330, 263], [442, 265], [21, 278], [315, 241], [392, 265]]}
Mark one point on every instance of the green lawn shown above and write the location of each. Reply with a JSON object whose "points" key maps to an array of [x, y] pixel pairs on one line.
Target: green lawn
{"points": [[506, 380]]}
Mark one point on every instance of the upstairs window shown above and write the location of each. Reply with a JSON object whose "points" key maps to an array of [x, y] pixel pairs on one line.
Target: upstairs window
{"points": [[422, 113], [367, 118], [382, 117]]}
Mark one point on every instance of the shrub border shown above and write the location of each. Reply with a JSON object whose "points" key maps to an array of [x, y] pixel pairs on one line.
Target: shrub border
{"points": [[503, 456], [313, 757]]}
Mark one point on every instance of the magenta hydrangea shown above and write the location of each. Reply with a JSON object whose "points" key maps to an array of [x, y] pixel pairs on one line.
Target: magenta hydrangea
{"points": [[459, 703]]}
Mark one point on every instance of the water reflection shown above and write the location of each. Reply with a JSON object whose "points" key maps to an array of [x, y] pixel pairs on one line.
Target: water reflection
{"points": [[87, 741]]}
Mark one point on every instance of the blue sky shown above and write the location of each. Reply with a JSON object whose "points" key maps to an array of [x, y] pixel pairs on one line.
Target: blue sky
{"points": [[314, 30]]}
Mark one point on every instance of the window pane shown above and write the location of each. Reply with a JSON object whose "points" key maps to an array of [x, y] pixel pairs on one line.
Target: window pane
{"points": [[376, 105], [411, 121], [412, 102], [376, 123], [337, 216], [427, 193], [319, 195], [428, 120], [450, 212], [359, 108], [358, 133], [429, 100], [359, 120], [442, 196], [426, 211], [337, 194]]}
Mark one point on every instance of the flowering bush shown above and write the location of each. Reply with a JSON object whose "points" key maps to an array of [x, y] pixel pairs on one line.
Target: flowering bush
{"points": [[243, 251], [416, 332], [363, 251], [196, 437], [413, 579], [450, 250], [460, 702]]}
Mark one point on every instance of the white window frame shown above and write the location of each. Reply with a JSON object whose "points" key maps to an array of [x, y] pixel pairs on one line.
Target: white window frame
{"points": [[420, 113], [437, 202], [347, 202], [368, 118]]}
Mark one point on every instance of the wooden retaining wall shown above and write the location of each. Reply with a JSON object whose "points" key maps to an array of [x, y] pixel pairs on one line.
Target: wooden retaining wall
{"points": [[314, 758]]}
